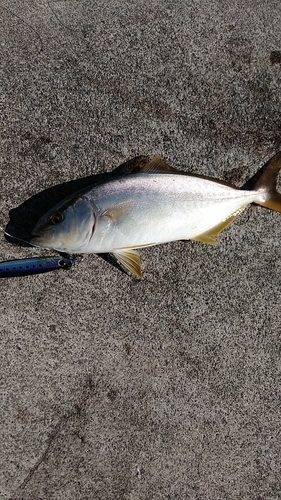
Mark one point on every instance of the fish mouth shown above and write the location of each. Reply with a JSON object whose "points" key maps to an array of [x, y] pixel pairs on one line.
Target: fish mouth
{"points": [[36, 242], [37, 233], [38, 237]]}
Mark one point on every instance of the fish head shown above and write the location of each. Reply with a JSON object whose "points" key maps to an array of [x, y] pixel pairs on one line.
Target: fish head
{"points": [[68, 227]]}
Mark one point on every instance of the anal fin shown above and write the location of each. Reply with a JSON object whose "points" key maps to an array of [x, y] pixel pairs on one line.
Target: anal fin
{"points": [[130, 260], [210, 237]]}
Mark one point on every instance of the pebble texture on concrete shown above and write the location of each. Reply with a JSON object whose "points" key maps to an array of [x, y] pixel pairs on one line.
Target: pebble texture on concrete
{"points": [[169, 387]]}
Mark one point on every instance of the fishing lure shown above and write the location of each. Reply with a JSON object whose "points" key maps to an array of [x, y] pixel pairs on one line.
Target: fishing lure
{"points": [[33, 265]]}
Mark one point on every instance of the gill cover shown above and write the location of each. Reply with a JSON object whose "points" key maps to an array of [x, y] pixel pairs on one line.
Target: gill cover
{"points": [[68, 227]]}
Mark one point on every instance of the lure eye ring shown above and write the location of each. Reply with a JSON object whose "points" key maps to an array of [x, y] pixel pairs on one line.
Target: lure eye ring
{"points": [[56, 218], [62, 263]]}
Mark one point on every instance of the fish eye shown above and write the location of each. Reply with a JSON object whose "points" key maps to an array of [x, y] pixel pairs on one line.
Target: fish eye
{"points": [[56, 218]]}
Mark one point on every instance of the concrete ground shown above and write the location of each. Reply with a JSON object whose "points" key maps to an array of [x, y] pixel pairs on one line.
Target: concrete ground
{"points": [[169, 387]]}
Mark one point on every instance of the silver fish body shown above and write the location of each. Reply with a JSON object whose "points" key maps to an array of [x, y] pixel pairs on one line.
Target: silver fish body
{"points": [[150, 209], [156, 205]]}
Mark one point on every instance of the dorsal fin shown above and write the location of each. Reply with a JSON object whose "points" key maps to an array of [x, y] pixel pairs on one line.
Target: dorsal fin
{"points": [[144, 164], [156, 164], [132, 166]]}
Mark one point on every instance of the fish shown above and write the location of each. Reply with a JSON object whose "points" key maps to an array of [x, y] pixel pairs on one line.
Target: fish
{"points": [[33, 265], [153, 204]]}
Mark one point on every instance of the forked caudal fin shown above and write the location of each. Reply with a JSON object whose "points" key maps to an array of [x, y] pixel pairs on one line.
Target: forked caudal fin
{"points": [[265, 179]]}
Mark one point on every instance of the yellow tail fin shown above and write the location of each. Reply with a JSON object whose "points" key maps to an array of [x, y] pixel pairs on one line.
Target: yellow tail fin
{"points": [[266, 179]]}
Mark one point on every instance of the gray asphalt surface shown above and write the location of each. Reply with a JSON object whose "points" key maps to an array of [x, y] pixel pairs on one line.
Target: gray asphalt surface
{"points": [[166, 388]]}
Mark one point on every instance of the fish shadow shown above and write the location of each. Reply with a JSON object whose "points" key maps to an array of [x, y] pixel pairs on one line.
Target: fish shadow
{"points": [[24, 217]]}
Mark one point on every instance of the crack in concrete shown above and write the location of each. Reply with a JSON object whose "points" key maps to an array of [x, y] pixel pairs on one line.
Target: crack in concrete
{"points": [[27, 24], [79, 409]]}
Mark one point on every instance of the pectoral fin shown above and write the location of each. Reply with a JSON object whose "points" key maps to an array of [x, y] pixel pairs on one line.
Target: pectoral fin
{"points": [[210, 237], [118, 211], [130, 260]]}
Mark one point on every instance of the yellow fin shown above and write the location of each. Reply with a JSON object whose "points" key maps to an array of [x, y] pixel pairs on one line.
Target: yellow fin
{"points": [[130, 260], [210, 237], [118, 211]]}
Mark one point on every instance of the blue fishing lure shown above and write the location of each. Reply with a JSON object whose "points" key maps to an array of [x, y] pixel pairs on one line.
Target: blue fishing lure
{"points": [[33, 265]]}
